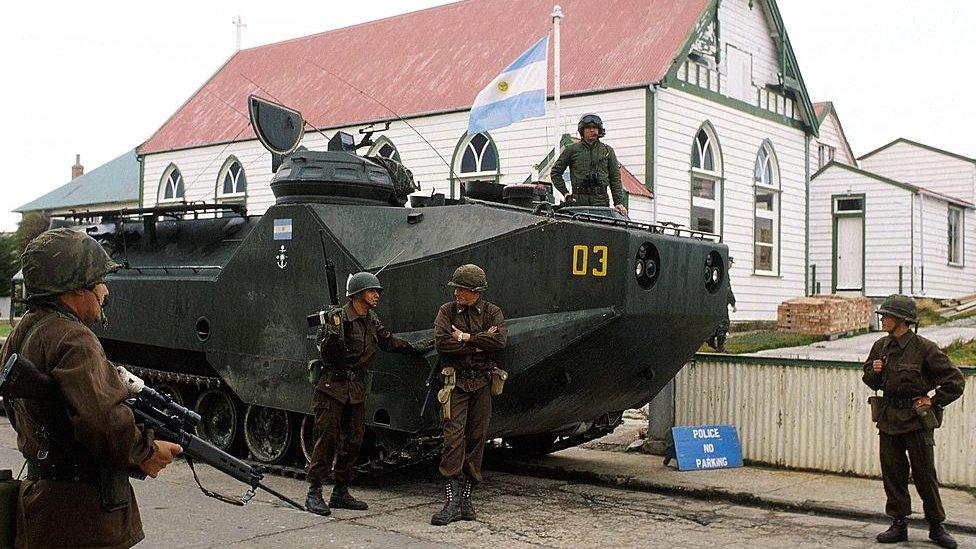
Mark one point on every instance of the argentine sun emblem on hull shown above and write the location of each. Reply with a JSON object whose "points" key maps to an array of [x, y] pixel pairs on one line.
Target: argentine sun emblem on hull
{"points": [[503, 86]]}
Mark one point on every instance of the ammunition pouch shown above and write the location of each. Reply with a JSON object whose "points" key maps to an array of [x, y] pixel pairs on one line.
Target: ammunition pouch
{"points": [[929, 416], [9, 496], [498, 378], [877, 407], [589, 184], [345, 374], [449, 379]]}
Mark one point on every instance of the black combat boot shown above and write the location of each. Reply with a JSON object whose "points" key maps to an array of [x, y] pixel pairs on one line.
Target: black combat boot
{"points": [[898, 531], [342, 499], [466, 511], [938, 534], [452, 505], [314, 502]]}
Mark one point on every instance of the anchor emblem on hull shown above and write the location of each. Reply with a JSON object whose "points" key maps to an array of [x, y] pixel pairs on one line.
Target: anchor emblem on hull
{"points": [[282, 257]]}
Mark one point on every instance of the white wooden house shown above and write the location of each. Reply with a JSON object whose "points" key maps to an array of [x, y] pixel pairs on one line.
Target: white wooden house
{"points": [[702, 100], [875, 235], [832, 143]]}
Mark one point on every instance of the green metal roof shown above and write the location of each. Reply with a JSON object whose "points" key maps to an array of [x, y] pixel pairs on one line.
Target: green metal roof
{"points": [[112, 182]]}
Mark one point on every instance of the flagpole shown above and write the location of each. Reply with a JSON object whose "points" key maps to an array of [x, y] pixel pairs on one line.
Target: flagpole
{"points": [[557, 14]]}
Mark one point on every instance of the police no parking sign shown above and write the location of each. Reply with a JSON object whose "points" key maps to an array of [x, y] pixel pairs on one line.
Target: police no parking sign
{"points": [[707, 447]]}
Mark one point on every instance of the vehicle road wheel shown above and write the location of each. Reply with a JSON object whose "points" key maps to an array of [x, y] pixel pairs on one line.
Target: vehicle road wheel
{"points": [[172, 391], [220, 422], [268, 433]]}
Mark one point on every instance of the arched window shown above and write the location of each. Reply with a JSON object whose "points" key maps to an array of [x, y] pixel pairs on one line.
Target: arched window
{"points": [[475, 158], [479, 157], [232, 181], [385, 148], [171, 188], [706, 181], [766, 225]]}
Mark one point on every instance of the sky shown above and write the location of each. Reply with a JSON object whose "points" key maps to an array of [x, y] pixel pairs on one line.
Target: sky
{"points": [[98, 78]]}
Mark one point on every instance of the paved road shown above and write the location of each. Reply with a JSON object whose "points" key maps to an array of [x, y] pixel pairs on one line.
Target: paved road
{"points": [[515, 511], [856, 348]]}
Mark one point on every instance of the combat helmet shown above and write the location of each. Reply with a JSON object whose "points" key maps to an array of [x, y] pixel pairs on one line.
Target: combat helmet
{"points": [[470, 277], [900, 306], [62, 260], [362, 281], [591, 120]]}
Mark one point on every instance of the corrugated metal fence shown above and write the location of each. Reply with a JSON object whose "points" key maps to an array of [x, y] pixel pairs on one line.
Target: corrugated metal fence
{"points": [[811, 414]]}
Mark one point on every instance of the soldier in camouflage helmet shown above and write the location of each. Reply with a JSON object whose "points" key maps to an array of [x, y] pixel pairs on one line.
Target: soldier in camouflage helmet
{"points": [[907, 367], [467, 333], [340, 394], [592, 167], [78, 463]]}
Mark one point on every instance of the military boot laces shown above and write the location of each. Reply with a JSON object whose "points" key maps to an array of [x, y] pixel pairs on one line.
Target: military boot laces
{"points": [[938, 534], [342, 499], [452, 505], [898, 531], [467, 509], [314, 503]]}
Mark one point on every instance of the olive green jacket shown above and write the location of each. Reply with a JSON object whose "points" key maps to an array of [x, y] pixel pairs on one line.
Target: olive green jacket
{"points": [[913, 366], [582, 159]]}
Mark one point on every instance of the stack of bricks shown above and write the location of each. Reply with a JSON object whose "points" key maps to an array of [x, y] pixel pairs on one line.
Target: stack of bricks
{"points": [[824, 315]]}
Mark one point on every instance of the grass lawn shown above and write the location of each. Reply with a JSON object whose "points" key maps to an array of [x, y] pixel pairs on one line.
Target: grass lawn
{"points": [[962, 354], [750, 342], [5, 329]]}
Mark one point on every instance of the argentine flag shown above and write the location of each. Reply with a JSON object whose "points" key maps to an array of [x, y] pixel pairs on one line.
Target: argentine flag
{"points": [[519, 92]]}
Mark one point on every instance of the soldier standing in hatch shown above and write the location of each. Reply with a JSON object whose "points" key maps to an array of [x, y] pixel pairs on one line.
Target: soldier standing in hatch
{"points": [[81, 448], [592, 167], [467, 332], [906, 366], [340, 396]]}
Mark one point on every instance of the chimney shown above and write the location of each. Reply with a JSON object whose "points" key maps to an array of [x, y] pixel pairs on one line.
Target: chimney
{"points": [[77, 170]]}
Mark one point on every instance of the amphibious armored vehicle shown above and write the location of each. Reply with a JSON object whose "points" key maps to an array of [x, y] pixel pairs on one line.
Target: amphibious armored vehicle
{"points": [[212, 306]]}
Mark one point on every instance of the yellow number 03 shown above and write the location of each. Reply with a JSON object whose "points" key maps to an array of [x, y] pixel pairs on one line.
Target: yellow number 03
{"points": [[581, 260]]}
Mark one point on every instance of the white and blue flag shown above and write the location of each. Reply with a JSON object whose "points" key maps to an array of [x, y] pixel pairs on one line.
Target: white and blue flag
{"points": [[519, 92]]}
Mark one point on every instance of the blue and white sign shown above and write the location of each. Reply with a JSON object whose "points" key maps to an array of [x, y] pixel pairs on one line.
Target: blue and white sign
{"points": [[707, 447], [282, 229]]}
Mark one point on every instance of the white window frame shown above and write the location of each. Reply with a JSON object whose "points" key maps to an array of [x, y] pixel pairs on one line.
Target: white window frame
{"points": [[825, 154], [956, 247], [714, 175], [236, 196], [479, 174], [164, 184], [769, 167]]}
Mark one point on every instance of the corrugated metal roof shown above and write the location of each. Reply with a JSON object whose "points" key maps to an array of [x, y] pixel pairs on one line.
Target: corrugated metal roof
{"points": [[821, 110], [434, 60], [114, 181], [907, 186], [632, 185]]}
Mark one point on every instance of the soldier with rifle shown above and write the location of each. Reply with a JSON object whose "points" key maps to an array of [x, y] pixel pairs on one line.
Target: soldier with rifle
{"points": [[81, 445], [340, 392]]}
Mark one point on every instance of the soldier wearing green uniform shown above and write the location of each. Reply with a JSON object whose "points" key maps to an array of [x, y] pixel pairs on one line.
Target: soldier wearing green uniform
{"points": [[907, 367], [339, 401], [467, 333], [82, 447], [592, 167]]}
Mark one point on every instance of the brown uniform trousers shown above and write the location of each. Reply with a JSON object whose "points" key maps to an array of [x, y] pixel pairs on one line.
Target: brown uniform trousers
{"points": [[100, 433], [467, 429], [339, 404], [913, 367]]}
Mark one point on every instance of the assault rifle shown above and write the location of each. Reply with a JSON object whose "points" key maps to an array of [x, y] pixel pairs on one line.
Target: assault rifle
{"points": [[170, 421]]}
